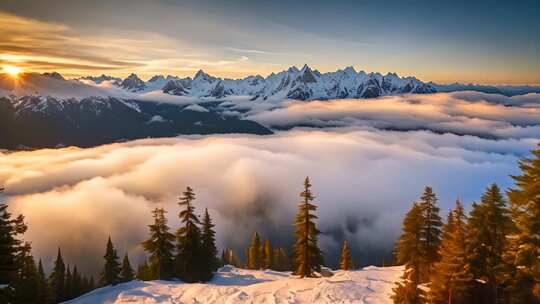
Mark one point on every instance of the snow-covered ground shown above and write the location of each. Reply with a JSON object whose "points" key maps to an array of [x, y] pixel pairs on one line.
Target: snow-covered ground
{"points": [[233, 285]]}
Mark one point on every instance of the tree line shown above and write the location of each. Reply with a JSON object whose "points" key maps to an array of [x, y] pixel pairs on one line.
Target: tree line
{"points": [[490, 255]]}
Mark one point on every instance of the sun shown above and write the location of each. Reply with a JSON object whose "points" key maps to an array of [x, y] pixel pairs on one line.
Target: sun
{"points": [[13, 71]]}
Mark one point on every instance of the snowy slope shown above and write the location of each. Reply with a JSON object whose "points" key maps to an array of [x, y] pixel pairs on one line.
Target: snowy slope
{"points": [[233, 285]]}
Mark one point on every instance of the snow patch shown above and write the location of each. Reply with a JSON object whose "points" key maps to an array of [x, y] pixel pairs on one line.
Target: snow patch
{"points": [[371, 285]]}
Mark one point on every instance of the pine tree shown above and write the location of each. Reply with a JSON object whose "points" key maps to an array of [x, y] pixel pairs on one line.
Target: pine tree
{"points": [[10, 243], [267, 262], [254, 252], [489, 223], [69, 284], [409, 251], [345, 262], [430, 232], [160, 246], [208, 248], [76, 283], [230, 258], [92, 283], [43, 291], [523, 275], [223, 258], [26, 283], [144, 272], [57, 279], [451, 278], [188, 240], [126, 273], [110, 275], [308, 256]]}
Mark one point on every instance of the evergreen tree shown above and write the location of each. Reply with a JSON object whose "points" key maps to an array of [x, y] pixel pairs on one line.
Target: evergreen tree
{"points": [[10, 243], [409, 251], [254, 252], [57, 279], [430, 232], [92, 283], [230, 258], [160, 246], [126, 273], [208, 248], [308, 256], [451, 278], [26, 283], [267, 262], [43, 291], [523, 275], [69, 284], [85, 284], [188, 240], [489, 223], [223, 257], [110, 275], [76, 283], [144, 272], [345, 262]]}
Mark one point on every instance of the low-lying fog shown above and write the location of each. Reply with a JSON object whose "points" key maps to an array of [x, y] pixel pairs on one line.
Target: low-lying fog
{"points": [[364, 176]]}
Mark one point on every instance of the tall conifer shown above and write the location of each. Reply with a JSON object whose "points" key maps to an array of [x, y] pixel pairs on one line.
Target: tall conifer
{"points": [[489, 224], [208, 248], [254, 252], [188, 240], [10, 243], [451, 279], [409, 251], [26, 283], [160, 247], [57, 279], [44, 291], [267, 262], [126, 273], [430, 232], [308, 256], [523, 275], [345, 261], [110, 275]]}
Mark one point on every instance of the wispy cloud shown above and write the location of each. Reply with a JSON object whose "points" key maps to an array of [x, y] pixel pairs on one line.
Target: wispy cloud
{"points": [[248, 51], [42, 46]]}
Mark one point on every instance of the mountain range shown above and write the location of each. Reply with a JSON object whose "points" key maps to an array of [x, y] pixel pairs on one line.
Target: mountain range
{"points": [[293, 83], [48, 110]]}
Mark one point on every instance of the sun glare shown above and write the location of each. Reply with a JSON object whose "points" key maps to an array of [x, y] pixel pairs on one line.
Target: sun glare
{"points": [[13, 71]]}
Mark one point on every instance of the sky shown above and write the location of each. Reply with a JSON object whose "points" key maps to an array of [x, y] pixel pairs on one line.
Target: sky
{"points": [[488, 42]]}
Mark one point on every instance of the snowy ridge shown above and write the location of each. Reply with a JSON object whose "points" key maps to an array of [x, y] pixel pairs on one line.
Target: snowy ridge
{"points": [[294, 83], [233, 285]]}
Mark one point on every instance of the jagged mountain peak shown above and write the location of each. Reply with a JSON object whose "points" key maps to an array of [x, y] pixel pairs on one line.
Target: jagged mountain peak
{"points": [[203, 75], [156, 78], [54, 75], [350, 70], [133, 83]]}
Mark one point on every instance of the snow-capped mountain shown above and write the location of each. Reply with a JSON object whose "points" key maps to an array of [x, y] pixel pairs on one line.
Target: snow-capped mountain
{"points": [[293, 83]]}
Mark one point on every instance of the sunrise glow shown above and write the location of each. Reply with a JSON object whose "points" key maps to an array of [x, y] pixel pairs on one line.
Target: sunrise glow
{"points": [[13, 71]]}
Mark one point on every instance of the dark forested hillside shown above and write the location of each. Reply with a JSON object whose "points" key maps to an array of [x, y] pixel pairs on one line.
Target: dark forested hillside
{"points": [[45, 122]]}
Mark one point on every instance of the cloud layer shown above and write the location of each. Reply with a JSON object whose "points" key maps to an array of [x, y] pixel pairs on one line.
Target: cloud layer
{"points": [[364, 181], [465, 113]]}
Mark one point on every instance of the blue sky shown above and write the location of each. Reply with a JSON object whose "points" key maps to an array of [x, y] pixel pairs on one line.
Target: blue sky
{"points": [[445, 41]]}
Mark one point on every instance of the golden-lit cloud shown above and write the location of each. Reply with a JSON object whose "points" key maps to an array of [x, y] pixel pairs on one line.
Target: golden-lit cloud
{"points": [[43, 47], [248, 183]]}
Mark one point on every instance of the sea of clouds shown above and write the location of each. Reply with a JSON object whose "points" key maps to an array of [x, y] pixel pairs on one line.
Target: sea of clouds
{"points": [[368, 161]]}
